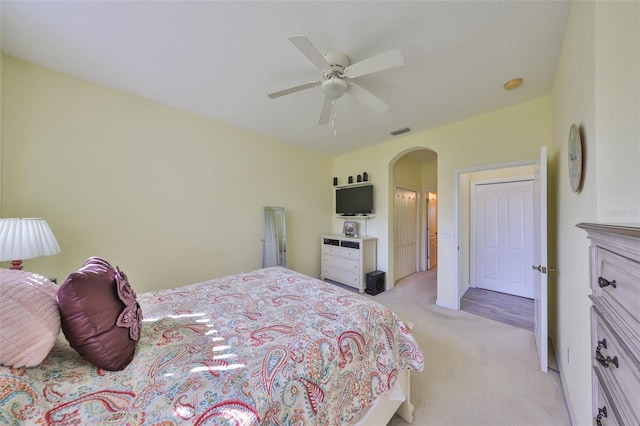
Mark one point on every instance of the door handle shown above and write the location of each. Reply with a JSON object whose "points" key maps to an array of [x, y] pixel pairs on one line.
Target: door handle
{"points": [[542, 269]]}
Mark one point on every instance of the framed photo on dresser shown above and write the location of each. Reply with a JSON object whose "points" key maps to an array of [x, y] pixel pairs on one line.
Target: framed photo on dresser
{"points": [[350, 228]]}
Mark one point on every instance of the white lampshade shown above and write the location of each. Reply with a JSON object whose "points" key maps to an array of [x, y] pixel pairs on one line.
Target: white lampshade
{"points": [[26, 238]]}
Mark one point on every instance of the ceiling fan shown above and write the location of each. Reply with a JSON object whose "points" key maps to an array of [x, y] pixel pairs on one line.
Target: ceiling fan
{"points": [[337, 73]]}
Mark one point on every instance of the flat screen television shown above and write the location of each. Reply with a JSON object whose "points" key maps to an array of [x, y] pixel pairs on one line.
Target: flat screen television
{"points": [[354, 200]]}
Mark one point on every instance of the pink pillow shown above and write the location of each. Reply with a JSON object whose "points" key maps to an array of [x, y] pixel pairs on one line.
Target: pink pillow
{"points": [[100, 314], [29, 318]]}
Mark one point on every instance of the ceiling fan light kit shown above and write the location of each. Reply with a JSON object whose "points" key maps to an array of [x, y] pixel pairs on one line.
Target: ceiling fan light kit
{"points": [[334, 87], [336, 69]]}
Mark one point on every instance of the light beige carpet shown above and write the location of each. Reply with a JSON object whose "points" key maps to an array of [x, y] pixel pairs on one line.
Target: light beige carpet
{"points": [[477, 371]]}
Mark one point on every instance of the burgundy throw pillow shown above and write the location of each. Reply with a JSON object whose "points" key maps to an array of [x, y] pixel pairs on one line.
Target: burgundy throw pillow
{"points": [[100, 315]]}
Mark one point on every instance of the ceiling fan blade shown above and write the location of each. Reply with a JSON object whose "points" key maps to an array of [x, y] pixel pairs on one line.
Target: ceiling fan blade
{"points": [[367, 98], [310, 51], [325, 113], [384, 61], [293, 89]]}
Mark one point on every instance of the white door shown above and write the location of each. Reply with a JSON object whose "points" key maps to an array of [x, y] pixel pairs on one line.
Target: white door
{"points": [[432, 225], [405, 231], [504, 241], [540, 259]]}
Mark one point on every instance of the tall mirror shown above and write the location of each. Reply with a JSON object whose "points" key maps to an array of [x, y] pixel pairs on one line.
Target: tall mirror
{"points": [[274, 243]]}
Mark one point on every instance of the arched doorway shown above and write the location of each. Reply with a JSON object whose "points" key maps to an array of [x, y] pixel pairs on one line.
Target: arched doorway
{"points": [[413, 176]]}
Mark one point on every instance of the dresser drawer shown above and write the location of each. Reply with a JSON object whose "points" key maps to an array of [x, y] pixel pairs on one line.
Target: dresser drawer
{"points": [[624, 276], [341, 252], [342, 263], [343, 276], [617, 368], [605, 413], [615, 282]]}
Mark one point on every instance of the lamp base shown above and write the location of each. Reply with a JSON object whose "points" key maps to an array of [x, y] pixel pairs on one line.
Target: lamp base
{"points": [[16, 264]]}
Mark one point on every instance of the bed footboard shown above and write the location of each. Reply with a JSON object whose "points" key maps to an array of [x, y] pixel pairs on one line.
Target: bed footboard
{"points": [[383, 410]]}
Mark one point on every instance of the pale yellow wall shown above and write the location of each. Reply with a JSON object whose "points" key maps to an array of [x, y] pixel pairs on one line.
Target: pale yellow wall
{"points": [[596, 87], [171, 197], [430, 176], [511, 134], [617, 110], [408, 173]]}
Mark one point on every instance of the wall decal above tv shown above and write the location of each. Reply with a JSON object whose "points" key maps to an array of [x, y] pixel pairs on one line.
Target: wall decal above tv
{"points": [[354, 200]]}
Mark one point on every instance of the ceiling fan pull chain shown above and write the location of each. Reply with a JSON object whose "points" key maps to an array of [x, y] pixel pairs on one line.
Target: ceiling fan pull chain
{"points": [[333, 120]]}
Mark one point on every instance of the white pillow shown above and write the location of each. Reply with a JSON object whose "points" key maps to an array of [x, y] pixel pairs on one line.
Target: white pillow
{"points": [[29, 318]]}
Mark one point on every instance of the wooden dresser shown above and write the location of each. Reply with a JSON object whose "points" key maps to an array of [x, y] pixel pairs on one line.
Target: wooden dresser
{"points": [[347, 260], [615, 322]]}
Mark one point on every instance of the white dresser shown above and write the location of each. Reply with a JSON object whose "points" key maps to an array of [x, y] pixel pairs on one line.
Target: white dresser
{"points": [[348, 260], [615, 322]]}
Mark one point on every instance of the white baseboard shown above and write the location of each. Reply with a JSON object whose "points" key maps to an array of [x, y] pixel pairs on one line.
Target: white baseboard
{"points": [[447, 305], [565, 390]]}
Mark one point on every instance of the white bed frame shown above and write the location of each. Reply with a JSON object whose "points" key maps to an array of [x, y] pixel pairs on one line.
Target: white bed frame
{"points": [[385, 407]]}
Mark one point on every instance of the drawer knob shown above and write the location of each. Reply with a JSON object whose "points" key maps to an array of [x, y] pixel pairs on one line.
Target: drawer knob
{"points": [[603, 282], [605, 361], [602, 412]]}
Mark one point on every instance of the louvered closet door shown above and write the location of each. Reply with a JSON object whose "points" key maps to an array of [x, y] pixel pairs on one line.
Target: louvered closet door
{"points": [[405, 231]]}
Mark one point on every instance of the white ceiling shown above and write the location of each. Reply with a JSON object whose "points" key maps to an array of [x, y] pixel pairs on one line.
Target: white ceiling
{"points": [[219, 59]]}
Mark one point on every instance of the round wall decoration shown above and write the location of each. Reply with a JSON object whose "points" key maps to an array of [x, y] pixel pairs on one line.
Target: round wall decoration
{"points": [[575, 158]]}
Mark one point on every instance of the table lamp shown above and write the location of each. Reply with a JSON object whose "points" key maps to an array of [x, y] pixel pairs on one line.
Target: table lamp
{"points": [[25, 238]]}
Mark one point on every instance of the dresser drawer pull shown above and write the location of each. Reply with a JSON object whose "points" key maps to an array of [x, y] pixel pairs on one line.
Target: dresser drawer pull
{"points": [[603, 282], [601, 358], [602, 412]]}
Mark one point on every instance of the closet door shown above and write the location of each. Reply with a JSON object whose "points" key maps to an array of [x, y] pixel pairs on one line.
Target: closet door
{"points": [[405, 231], [503, 219]]}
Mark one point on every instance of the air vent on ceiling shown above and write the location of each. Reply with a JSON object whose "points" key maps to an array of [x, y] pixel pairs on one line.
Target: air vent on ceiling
{"points": [[400, 131]]}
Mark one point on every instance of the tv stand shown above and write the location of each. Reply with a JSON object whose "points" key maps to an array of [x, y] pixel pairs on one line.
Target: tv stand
{"points": [[347, 260]]}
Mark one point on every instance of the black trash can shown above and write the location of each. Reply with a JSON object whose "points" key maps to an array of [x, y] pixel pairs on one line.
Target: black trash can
{"points": [[375, 282]]}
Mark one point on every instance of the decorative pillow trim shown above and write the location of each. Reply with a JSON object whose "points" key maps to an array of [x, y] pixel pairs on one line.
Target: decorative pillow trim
{"points": [[132, 314]]}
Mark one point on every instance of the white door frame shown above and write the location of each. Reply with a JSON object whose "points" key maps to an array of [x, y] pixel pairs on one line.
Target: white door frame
{"points": [[456, 217], [424, 233], [540, 205], [427, 206]]}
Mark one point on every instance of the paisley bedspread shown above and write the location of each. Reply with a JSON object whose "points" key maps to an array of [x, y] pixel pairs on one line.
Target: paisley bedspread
{"points": [[268, 347]]}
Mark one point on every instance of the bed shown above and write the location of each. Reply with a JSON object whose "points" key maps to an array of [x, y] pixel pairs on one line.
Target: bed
{"points": [[267, 347]]}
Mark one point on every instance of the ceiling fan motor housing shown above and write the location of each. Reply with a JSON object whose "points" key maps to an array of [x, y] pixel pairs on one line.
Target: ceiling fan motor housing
{"points": [[337, 61]]}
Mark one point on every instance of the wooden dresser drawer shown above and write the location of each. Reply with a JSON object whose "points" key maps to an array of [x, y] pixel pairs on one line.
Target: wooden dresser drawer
{"points": [[351, 278], [342, 263], [605, 412], [615, 322], [617, 368], [341, 252], [615, 282]]}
